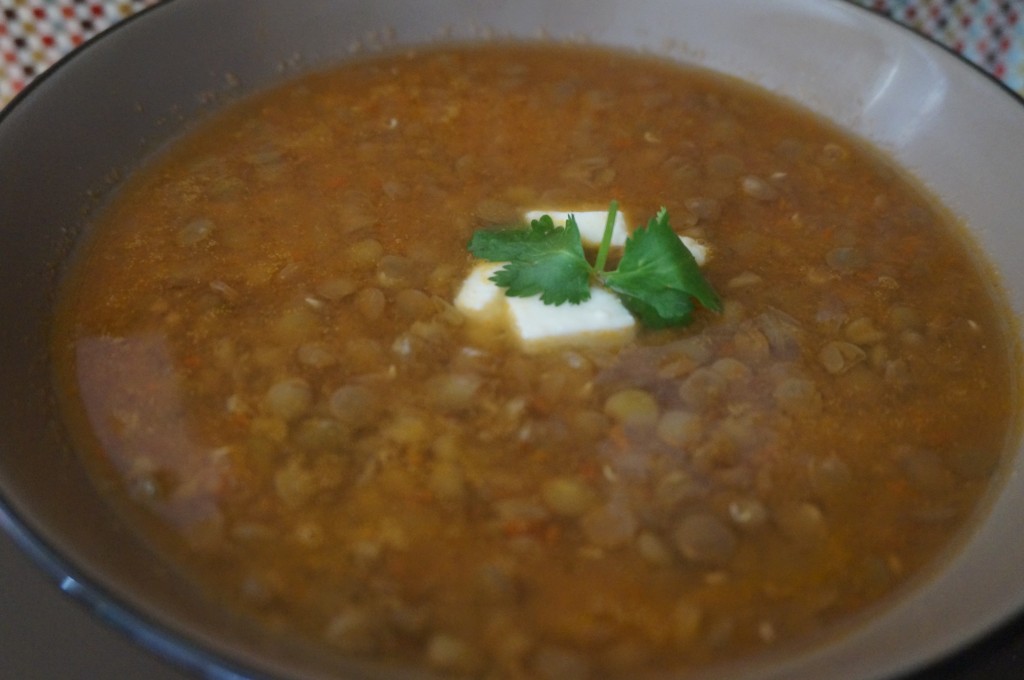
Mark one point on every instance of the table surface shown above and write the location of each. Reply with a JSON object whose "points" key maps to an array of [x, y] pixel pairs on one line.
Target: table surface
{"points": [[46, 636]]}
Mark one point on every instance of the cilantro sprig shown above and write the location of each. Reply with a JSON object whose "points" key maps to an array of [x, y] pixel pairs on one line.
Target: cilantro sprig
{"points": [[542, 259], [657, 277]]}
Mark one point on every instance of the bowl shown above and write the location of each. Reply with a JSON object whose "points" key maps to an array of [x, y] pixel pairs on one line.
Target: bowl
{"points": [[68, 141]]}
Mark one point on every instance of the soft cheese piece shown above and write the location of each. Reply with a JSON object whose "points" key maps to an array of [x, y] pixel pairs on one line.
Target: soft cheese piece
{"points": [[590, 222], [479, 298], [601, 320], [696, 248]]}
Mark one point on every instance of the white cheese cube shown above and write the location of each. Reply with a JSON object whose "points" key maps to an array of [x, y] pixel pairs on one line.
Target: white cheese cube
{"points": [[696, 248], [601, 320], [479, 298], [590, 222]]}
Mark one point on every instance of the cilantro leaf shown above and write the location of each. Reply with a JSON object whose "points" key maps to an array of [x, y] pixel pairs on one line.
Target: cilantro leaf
{"points": [[659, 308], [544, 259], [657, 276]]}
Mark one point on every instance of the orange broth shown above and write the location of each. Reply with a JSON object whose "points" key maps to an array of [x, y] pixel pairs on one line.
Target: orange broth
{"points": [[260, 335]]}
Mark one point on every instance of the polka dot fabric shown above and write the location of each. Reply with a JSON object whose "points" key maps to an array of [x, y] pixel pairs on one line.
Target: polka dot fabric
{"points": [[988, 32], [36, 33]]}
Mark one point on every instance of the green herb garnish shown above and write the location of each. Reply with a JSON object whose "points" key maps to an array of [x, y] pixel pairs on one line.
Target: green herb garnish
{"points": [[657, 277], [542, 259]]}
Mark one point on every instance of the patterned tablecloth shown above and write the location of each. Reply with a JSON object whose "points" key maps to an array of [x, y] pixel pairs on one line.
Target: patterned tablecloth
{"points": [[36, 33]]}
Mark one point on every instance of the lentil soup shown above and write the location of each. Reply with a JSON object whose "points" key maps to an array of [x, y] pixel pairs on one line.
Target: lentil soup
{"points": [[260, 345]]}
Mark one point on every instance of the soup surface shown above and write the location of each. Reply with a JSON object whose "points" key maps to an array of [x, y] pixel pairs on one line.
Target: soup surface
{"points": [[261, 347]]}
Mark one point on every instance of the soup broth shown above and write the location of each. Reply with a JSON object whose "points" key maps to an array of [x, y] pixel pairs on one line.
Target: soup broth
{"points": [[260, 343]]}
